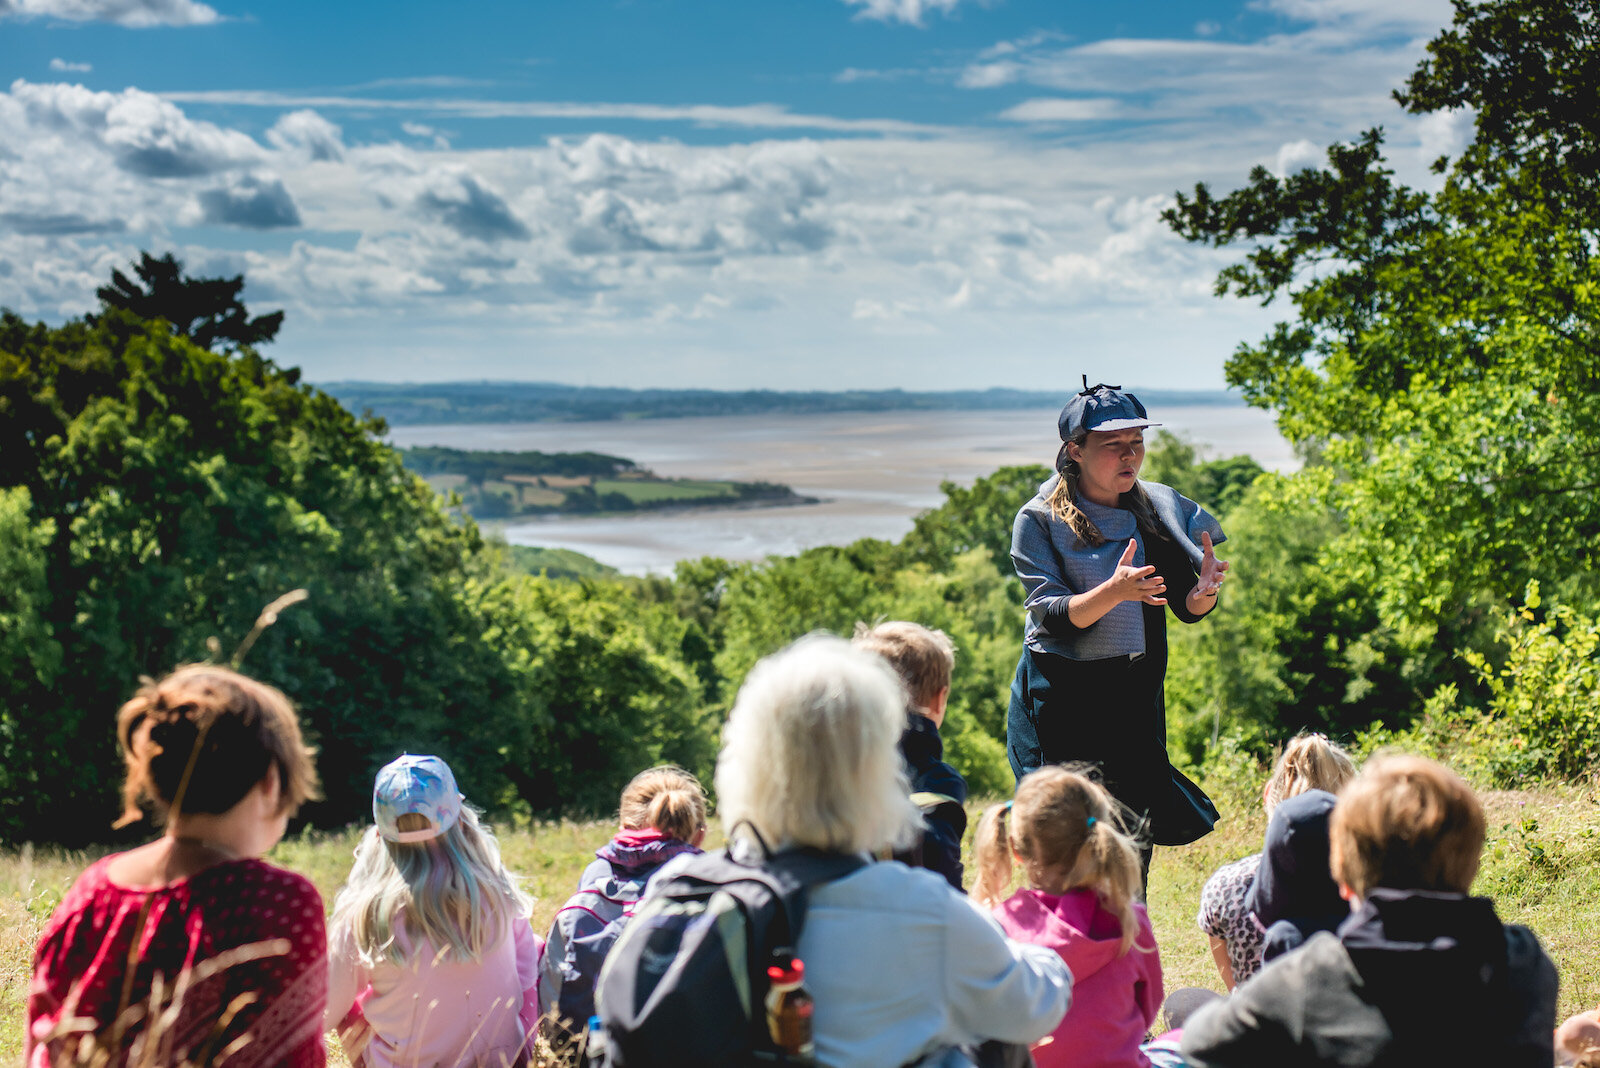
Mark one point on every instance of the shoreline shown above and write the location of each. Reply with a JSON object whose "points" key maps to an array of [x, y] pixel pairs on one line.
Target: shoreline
{"points": [[870, 473], [710, 504]]}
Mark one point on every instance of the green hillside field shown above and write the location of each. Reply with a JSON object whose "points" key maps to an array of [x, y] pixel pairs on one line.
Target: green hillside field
{"points": [[1541, 865]]}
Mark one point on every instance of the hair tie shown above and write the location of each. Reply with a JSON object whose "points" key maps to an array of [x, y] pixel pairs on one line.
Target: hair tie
{"points": [[1091, 821]]}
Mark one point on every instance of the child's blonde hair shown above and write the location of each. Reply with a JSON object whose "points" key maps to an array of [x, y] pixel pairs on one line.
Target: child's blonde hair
{"points": [[666, 798], [453, 891], [923, 658], [1067, 831], [1309, 762]]}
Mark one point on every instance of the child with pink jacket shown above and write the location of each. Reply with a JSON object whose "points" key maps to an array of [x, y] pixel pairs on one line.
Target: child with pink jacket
{"points": [[1083, 876]]}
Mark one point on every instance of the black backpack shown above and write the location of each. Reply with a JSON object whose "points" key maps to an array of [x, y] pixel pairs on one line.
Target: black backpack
{"points": [[686, 983]]}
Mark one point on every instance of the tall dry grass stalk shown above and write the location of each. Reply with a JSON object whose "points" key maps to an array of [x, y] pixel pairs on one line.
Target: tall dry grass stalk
{"points": [[85, 1042]]}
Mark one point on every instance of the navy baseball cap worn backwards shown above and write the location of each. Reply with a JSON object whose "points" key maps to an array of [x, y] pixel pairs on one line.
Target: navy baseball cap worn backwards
{"points": [[1101, 407]]}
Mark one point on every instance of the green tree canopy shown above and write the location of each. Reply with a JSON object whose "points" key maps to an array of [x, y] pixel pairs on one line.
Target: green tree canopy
{"points": [[1443, 352], [207, 311], [156, 495]]}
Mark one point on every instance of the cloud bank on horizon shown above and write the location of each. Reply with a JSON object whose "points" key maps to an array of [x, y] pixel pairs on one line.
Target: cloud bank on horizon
{"points": [[867, 193]]}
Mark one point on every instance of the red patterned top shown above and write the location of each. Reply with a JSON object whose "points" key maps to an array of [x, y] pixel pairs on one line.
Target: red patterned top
{"points": [[245, 906]]}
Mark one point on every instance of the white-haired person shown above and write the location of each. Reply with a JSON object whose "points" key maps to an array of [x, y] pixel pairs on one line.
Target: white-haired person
{"points": [[901, 966]]}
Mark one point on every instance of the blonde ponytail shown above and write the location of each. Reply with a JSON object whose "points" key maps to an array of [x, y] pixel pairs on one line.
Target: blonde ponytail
{"points": [[1113, 872], [1068, 830], [991, 855], [1309, 762]]}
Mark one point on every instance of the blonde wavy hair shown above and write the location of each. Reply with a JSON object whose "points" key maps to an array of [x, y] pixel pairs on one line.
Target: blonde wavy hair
{"points": [[452, 891], [1067, 830], [810, 751], [1309, 762]]}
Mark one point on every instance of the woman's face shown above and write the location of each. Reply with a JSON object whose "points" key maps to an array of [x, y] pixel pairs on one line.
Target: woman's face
{"points": [[1108, 463]]}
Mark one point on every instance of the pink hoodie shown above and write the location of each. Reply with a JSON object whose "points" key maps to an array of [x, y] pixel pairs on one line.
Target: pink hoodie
{"points": [[1114, 998]]}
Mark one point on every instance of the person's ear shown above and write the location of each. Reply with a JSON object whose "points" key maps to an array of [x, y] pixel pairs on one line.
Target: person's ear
{"points": [[1350, 896], [271, 788], [1075, 452]]}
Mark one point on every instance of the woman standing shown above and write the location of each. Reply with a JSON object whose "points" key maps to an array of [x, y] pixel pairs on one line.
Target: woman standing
{"points": [[1101, 556]]}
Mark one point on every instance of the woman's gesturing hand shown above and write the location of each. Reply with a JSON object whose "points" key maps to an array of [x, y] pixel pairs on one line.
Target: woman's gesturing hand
{"points": [[1213, 573], [1130, 583]]}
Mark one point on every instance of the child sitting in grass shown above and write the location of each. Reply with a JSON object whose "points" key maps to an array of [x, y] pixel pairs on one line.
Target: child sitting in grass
{"points": [[192, 946], [663, 815], [1420, 973], [431, 958], [1308, 762], [1083, 881], [924, 660]]}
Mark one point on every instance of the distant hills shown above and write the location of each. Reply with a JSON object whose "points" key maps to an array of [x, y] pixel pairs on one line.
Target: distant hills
{"points": [[411, 404]]}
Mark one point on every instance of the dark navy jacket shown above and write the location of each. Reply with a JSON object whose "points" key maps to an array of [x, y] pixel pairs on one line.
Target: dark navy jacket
{"points": [[1294, 895], [589, 923], [1411, 978], [940, 791]]}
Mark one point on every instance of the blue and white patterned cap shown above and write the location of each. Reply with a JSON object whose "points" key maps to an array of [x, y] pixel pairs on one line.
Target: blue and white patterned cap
{"points": [[420, 784]]}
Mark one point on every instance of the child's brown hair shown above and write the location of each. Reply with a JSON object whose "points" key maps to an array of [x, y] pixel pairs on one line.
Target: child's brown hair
{"points": [[1408, 824], [1067, 831], [202, 738], [923, 658], [667, 798]]}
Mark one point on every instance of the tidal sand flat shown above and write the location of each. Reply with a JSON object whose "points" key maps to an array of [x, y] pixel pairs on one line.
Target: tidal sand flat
{"points": [[872, 471]]}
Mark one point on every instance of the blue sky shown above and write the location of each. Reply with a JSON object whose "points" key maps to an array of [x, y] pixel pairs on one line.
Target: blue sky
{"points": [[766, 193]]}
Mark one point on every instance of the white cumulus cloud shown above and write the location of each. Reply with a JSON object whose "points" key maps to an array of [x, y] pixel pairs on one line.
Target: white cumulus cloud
{"points": [[137, 14], [309, 134], [910, 12], [1445, 133], [143, 134], [989, 75], [1301, 155], [1063, 109]]}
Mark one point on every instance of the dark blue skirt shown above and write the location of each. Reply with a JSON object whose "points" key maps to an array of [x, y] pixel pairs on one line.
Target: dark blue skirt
{"points": [[1110, 714]]}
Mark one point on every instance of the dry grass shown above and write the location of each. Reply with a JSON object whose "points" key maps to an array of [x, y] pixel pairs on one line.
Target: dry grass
{"points": [[1542, 866]]}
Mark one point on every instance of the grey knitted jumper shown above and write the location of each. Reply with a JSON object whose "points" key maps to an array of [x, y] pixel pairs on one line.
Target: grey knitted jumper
{"points": [[1054, 566]]}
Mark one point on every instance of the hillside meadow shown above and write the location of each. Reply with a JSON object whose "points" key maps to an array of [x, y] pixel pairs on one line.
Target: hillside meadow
{"points": [[1541, 865]]}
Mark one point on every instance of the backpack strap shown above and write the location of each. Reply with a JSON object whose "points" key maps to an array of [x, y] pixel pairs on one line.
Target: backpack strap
{"points": [[797, 872]]}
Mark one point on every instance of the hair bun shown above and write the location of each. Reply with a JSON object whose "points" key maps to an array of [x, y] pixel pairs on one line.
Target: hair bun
{"points": [[172, 730]]}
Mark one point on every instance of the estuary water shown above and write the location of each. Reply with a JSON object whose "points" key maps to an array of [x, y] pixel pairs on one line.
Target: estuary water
{"points": [[872, 471]]}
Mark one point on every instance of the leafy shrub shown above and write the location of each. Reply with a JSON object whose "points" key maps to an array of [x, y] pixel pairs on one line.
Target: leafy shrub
{"points": [[1543, 715]]}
